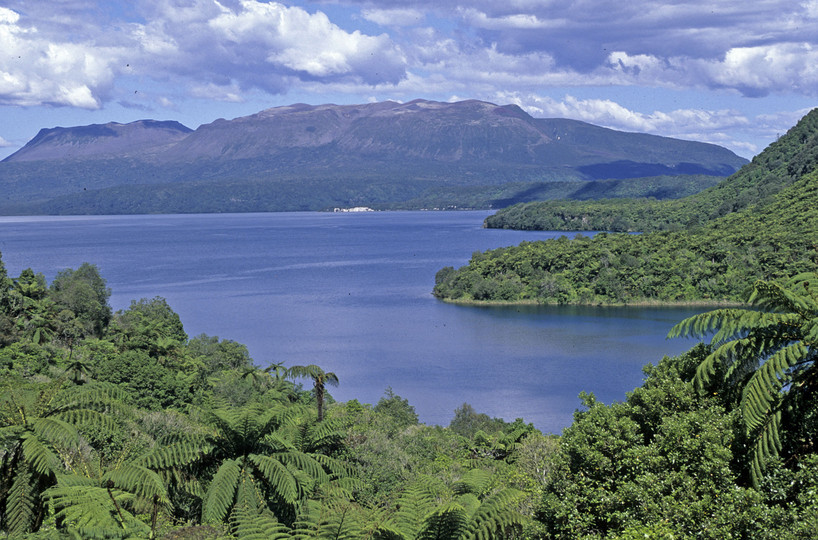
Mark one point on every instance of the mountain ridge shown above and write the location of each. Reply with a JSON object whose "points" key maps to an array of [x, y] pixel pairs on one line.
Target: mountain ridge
{"points": [[416, 145]]}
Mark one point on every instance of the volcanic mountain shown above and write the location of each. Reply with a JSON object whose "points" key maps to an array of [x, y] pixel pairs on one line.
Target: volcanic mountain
{"points": [[303, 157]]}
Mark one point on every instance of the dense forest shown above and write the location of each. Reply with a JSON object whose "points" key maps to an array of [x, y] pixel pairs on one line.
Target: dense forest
{"points": [[120, 425], [760, 223]]}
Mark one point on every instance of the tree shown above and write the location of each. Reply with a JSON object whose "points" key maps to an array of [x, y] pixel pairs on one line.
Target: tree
{"points": [[151, 325], [768, 353], [259, 464], [39, 426], [85, 294], [320, 379]]}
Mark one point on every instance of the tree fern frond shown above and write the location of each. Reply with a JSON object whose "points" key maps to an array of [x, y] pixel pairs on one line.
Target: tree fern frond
{"points": [[96, 512], [248, 494], [495, 515], [446, 523], [473, 481], [764, 386], [767, 445], [174, 455], [703, 324], [221, 492], [39, 456], [257, 526], [414, 504], [21, 502], [281, 479], [55, 430], [139, 480]]}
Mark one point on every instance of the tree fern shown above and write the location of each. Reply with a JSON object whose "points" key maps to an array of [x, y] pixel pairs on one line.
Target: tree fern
{"points": [[21, 502], [39, 433], [763, 351]]}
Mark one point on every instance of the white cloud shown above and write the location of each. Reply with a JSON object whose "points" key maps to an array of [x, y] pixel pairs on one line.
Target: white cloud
{"points": [[394, 17], [693, 124], [35, 69]]}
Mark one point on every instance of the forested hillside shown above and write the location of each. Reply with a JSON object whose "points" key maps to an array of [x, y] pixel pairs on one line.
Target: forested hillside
{"points": [[761, 223], [119, 425], [782, 163]]}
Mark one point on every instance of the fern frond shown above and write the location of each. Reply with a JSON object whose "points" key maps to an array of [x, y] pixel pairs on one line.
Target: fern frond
{"points": [[414, 504], [248, 494], [221, 493], [328, 521], [764, 386], [473, 481], [96, 512], [495, 515], [57, 431], [767, 445], [446, 523], [141, 481], [174, 455], [257, 526], [39, 456], [281, 479], [21, 502]]}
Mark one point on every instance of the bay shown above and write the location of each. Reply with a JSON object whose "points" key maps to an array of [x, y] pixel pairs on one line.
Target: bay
{"points": [[351, 292]]}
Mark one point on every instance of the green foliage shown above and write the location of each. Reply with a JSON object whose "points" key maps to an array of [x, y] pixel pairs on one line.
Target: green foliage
{"points": [[40, 427], [780, 165], [84, 293], [320, 379], [768, 352], [150, 325], [398, 409], [758, 224]]}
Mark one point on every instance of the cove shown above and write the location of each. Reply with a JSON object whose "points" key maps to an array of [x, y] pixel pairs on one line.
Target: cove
{"points": [[351, 292]]}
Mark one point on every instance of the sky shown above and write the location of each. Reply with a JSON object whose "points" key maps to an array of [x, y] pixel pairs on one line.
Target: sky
{"points": [[736, 73]]}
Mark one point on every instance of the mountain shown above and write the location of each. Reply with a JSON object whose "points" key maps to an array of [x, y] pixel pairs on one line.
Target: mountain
{"points": [[304, 157], [96, 141]]}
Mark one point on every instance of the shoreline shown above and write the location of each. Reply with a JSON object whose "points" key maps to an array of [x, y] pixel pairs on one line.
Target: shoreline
{"points": [[640, 304]]}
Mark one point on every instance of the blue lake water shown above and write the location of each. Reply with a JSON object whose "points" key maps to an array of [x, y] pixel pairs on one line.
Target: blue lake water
{"points": [[351, 292]]}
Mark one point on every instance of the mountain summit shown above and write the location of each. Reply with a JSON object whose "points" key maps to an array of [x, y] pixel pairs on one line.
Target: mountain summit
{"points": [[337, 155]]}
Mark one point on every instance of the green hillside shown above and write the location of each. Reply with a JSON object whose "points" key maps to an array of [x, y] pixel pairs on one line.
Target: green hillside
{"points": [[782, 163], [768, 230]]}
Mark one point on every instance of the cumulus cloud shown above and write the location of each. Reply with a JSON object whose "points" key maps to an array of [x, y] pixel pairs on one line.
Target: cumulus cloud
{"points": [[221, 49], [694, 124], [35, 69]]}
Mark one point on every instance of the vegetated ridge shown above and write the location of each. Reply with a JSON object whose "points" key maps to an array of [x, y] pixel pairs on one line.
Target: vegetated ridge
{"points": [[761, 223], [386, 155], [781, 164]]}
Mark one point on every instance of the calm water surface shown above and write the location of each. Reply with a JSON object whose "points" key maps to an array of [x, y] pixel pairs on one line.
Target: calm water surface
{"points": [[351, 293]]}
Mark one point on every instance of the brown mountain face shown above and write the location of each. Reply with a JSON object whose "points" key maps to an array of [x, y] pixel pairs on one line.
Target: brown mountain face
{"points": [[402, 145], [96, 141]]}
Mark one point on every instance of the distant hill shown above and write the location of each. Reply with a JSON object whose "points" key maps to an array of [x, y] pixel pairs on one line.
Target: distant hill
{"points": [[760, 223], [303, 157], [782, 163]]}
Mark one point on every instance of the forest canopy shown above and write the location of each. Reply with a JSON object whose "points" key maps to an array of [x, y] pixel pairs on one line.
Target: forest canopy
{"points": [[760, 223], [120, 425]]}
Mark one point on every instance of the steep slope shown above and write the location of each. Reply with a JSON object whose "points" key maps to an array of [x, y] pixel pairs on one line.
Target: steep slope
{"points": [[96, 141], [781, 164], [772, 237]]}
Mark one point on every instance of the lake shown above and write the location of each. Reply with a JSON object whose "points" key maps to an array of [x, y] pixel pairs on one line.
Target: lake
{"points": [[351, 292]]}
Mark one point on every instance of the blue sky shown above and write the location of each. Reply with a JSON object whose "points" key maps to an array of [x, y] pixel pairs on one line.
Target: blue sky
{"points": [[734, 73]]}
